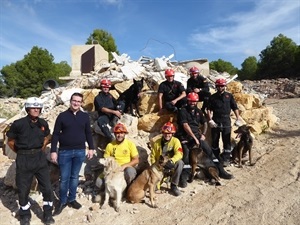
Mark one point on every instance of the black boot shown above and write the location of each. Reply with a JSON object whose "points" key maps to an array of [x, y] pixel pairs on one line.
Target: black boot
{"points": [[216, 153], [106, 132], [25, 216], [47, 218], [225, 158], [222, 172], [24, 220], [59, 208], [185, 174]]}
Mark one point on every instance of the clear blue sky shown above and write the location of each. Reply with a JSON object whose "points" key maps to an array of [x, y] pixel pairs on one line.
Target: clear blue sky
{"points": [[230, 30]]}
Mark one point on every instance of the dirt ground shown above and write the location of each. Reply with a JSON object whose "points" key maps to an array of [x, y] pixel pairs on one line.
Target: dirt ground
{"points": [[266, 193]]}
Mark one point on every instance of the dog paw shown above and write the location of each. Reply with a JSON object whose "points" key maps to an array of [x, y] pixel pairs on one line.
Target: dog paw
{"points": [[117, 209]]}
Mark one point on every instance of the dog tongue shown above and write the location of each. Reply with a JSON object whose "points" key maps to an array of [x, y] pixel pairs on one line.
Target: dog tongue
{"points": [[238, 136]]}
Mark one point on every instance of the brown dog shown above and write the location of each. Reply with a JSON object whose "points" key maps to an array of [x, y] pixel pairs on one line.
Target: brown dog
{"points": [[148, 179], [244, 145], [198, 158]]}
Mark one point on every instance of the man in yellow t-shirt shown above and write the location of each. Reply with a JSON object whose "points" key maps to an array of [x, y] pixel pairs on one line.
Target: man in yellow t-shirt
{"points": [[169, 146], [124, 151]]}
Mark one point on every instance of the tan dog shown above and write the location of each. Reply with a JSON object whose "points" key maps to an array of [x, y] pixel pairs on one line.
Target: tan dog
{"points": [[198, 158], [148, 179], [115, 183]]}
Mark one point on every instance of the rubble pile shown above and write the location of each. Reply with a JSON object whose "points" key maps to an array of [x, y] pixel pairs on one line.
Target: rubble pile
{"points": [[274, 88]]}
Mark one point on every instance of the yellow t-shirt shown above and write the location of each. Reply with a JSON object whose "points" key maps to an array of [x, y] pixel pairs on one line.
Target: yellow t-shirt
{"points": [[123, 152]]}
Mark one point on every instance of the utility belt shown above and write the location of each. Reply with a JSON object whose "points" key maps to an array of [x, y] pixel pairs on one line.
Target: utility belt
{"points": [[221, 116], [29, 151]]}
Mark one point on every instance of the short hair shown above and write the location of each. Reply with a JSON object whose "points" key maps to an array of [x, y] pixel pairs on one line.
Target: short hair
{"points": [[77, 94]]}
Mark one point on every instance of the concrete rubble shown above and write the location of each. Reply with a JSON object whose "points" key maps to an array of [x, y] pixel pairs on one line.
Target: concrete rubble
{"points": [[143, 130]]}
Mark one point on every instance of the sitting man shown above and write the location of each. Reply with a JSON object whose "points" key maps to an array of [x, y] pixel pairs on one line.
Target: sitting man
{"points": [[171, 93], [169, 146], [198, 84], [125, 153], [190, 120], [106, 106]]}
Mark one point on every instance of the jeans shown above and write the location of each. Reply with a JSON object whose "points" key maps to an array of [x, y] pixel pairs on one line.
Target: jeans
{"points": [[70, 162]]}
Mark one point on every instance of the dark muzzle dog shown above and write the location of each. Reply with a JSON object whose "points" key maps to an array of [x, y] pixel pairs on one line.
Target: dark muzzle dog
{"points": [[199, 159], [130, 97], [244, 145]]}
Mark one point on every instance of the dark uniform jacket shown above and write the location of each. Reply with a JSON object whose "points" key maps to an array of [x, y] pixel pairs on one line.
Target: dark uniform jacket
{"points": [[194, 118], [104, 100], [199, 82], [28, 135], [221, 106], [170, 90]]}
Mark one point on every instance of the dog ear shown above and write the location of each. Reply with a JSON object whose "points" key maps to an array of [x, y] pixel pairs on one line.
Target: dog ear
{"points": [[102, 161], [134, 81], [161, 159]]}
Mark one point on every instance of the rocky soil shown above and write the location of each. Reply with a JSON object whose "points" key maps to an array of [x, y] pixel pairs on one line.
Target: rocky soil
{"points": [[266, 193]]}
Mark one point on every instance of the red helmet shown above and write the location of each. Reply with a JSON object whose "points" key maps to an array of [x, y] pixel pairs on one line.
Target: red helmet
{"points": [[105, 83], [169, 73], [168, 128], [193, 97], [194, 70], [220, 82], [120, 128]]}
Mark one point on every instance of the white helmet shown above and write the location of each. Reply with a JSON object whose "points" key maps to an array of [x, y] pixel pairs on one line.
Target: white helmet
{"points": [[34, 102]]}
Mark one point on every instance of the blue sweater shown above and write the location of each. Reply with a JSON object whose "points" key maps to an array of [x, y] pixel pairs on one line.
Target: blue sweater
{"points": [[72, 131]]}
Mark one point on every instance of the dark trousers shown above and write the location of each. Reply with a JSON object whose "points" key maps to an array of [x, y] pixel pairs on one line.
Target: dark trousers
{"points": [[28, 166], [223, 129], [103, 121], [173, 108]]}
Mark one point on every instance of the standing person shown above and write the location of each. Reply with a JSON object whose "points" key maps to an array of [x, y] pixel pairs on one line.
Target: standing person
{"points": [[220, 105], [107, 109], [28, 137], [198, 84], [171, 93], [192, 128], [124, 151], [71, 130], [170, 146]]}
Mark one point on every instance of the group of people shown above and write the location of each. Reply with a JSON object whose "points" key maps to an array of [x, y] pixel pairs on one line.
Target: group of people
{"points": [[29, 136]]}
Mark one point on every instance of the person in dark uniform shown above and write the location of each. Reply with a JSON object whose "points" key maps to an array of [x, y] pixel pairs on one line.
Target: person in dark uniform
{"points": [[72, 130], [171, 93], [198, 84], [108, 110], [28, 137], [220, 105], [192, 128]]}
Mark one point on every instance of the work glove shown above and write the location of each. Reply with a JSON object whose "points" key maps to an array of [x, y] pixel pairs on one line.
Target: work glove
{"points": [[212, 124], [238, 123], [169, 165]]}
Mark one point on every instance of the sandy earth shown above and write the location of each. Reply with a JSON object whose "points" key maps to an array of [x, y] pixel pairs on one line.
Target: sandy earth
{"points": [[266, 193]]}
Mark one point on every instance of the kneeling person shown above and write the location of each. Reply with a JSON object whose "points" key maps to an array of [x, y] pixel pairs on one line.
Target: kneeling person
{"points": [[125, 153], [169, 146]]}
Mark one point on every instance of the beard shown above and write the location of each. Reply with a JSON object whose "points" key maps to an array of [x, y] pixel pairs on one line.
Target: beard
{"points": [[191, 107]]}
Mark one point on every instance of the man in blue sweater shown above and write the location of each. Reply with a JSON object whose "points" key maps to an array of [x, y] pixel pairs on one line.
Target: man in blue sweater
{"points": [[72, 129]]}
